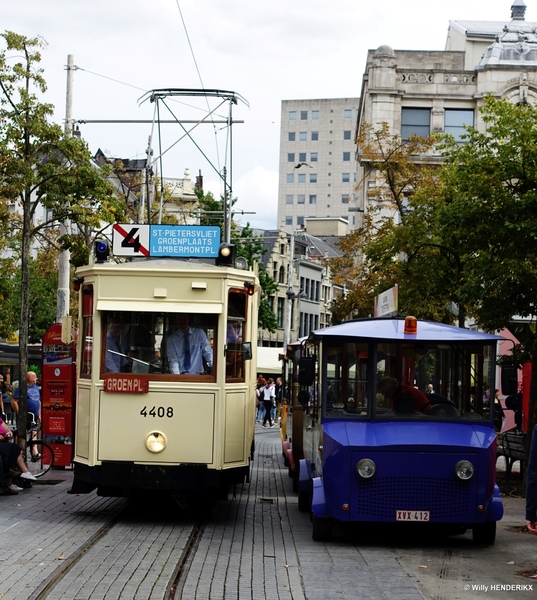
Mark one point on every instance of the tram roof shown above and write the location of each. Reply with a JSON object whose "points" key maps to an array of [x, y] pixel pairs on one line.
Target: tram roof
{"points": [[394, 330]]}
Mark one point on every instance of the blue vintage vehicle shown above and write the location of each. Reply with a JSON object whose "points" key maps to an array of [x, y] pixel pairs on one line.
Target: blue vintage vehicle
{"points": [[398, 426]]}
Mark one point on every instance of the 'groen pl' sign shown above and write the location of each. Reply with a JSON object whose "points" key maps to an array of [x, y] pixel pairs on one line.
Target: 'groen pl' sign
{"points": [[166, 240]]}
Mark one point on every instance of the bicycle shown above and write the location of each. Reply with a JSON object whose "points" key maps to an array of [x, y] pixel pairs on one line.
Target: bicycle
{"points": [[38, 456]]}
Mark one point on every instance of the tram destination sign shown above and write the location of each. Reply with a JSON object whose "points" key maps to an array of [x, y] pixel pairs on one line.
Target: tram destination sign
{"points": [[179, 241]]}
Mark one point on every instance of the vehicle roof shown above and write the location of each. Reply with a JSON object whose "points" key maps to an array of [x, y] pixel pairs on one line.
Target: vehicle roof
{"points": [[393, 330]]}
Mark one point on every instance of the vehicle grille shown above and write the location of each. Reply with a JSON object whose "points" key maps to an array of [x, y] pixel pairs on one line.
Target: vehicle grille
{"points": [[382, 497]]}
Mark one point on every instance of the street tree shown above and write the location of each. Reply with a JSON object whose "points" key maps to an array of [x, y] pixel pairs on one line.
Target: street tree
{"points": [[41, 166], [490, 191], [398, 241]]}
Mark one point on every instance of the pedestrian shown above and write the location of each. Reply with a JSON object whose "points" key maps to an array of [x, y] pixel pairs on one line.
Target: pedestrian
{"points": [[268, 397], [33, 405], [261, 382], [531, 486], [11, 461], [278, 392]]}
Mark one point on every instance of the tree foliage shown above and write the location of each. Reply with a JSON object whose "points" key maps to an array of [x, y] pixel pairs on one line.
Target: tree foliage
{"points": [[40, 166]]}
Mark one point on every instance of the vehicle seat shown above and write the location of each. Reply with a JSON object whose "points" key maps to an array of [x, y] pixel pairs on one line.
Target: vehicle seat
{"points": [[446, 411]]}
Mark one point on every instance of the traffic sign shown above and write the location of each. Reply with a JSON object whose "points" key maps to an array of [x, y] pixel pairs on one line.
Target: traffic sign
{"points": [[131, 240]]}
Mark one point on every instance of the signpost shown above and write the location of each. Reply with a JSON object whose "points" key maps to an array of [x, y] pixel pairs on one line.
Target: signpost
{"points": [[386, 303], [181, 241]]}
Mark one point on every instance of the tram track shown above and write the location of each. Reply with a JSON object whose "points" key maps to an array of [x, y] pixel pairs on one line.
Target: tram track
{"points": [[132, 555]]}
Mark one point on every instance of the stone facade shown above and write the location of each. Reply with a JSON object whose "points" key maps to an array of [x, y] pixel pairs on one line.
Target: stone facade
{"points": [[441, 91]]}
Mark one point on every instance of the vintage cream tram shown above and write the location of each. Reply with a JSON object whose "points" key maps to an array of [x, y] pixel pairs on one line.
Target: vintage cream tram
{"points": [[148, 418]]}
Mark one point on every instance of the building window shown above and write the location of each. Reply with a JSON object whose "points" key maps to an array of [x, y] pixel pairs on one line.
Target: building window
{"points": [[301, 157], [291, 136], [302, 178], [314, 115], [313, 199], [289, 199], [303, 136], [346, 156], [300, 221], [314, 136], [290, 157], [415, 121], [290, 178], [347, 135], [281, 278], [313, 177], [292, 115], [455, 120], [314, 156], [347, 113], [303, 115], [345, 198], [345, 177], [301, 199], [280, 311], [288, 220]]}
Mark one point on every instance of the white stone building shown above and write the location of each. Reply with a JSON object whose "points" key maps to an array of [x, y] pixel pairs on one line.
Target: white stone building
{"points": [[441, 91], [317, 171]]}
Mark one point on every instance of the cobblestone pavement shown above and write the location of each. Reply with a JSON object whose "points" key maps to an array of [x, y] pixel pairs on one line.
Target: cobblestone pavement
{"points": [[256, 546], [259, 546]]}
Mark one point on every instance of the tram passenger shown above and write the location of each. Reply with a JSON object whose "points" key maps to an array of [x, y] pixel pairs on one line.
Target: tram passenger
{"points": [[391, 389], [187, 347], [116, 360], [531, 486]]}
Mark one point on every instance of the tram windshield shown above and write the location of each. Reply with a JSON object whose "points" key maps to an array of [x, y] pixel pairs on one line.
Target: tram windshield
{"points": [[157, 342], [406, 380]]}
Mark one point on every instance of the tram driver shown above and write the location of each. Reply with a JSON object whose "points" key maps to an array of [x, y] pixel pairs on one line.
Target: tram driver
{"points": [[188, 347]]}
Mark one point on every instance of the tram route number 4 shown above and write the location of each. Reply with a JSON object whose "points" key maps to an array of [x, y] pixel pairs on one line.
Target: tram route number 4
{"points": [[412, 515], [157, 411]]}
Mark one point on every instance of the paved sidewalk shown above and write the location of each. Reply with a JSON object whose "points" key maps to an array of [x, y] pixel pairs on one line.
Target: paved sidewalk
{"points": [[42, 526]]}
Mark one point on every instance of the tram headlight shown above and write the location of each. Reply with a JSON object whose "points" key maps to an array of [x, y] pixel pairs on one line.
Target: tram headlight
{"points": [[156, 442], [464, 470], [366, 468]]}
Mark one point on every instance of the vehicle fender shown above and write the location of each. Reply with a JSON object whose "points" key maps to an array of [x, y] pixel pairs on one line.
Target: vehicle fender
{"points": [[495, 507], [305, 475], [318, 505], [291, 459]]}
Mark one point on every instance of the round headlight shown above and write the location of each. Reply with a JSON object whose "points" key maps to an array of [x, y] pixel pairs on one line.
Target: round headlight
{"points": [[464, 470], [366, 468], [156, 442]]}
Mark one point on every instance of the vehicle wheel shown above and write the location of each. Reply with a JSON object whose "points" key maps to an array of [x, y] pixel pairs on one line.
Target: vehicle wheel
{"points": [[290, 471], [39, 458], [484, 533], [322, 529], [295, 481], [285, 460], [304, 501]]}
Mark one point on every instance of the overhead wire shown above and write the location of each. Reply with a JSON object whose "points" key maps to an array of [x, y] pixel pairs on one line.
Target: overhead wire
{"points": [[201, 82]]}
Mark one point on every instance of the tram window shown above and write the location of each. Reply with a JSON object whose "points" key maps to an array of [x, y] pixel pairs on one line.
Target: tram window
{"points": [[159, 343], [235, 331], [87, 331]]}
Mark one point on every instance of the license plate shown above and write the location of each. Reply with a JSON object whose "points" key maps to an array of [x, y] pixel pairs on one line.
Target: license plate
{"points": [[412, 515]]}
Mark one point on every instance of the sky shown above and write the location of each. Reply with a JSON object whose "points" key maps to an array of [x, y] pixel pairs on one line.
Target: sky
{"points": [[264, 51]]}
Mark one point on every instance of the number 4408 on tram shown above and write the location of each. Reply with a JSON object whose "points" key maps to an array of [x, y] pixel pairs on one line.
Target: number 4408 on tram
{"points": [[166, 376], [397, 426]]}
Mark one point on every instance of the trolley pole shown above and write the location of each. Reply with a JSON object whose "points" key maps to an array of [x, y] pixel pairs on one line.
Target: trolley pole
{"points": [[63, 295]]}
